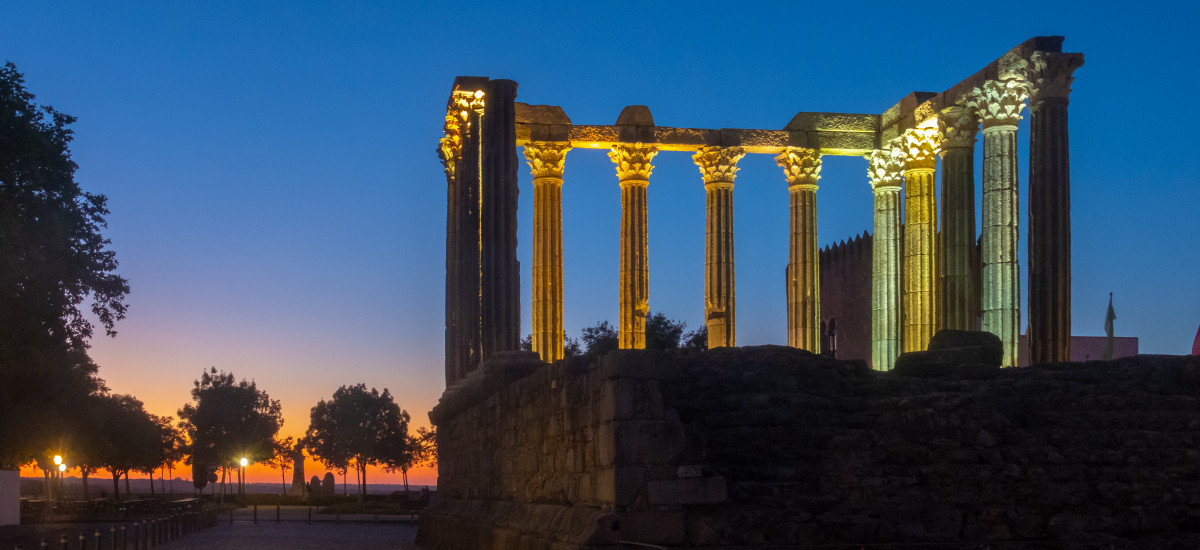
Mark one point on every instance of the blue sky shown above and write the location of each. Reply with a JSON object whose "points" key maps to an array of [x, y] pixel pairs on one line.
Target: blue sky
{"points": [[279, 209]]}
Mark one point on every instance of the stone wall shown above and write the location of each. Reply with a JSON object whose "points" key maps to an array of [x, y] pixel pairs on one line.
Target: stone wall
{"points": [[10, 497], [846, 295], [772, 446]]}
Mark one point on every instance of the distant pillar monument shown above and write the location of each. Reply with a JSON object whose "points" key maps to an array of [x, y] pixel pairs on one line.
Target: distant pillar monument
{"points": [[920, 238], [633, 172], [958, 297]]}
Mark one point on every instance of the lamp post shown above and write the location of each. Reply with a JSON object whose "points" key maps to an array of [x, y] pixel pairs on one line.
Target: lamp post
{"points": [[62, 468], [242, 478], [53, 489]]}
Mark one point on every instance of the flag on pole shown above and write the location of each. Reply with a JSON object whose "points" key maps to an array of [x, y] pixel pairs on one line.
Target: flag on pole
{"points": [[1108, 329], [1196, 343]]}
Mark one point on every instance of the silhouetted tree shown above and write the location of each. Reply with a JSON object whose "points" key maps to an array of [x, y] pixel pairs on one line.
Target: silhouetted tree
{"points": [[358, 428], [284, 450], [661, 334], [52, 259], [696, 340], [131, 438], [599, 339], [398, 452], [570, 345], [227, 421], [426, 444]]}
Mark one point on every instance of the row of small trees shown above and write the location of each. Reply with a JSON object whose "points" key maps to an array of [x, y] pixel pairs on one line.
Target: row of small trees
{"points": [[661, 334]]}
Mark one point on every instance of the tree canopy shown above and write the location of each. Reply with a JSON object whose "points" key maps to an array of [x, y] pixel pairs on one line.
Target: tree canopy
{"points": [[229, 420], [53, 259], [359, 428]]}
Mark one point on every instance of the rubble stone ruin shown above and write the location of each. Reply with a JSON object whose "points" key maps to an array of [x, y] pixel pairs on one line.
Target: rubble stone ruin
{"points": [[921, 278]]}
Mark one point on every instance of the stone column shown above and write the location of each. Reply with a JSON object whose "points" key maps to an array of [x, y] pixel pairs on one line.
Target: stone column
{"points": [[499, 269], [957, 296], [546, 160], [920, 238], [718, 167], [460, 153], [802, 168], [884, 170], [633, 172], [998, 105], [1050, 207]]}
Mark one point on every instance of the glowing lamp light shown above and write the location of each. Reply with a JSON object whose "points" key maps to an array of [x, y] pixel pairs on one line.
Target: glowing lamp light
{"points": [[62, 467], [245, 462], [58, 460], [478, 94]]}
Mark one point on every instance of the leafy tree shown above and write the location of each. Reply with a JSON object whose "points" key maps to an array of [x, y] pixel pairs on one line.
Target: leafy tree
{"points": [[228, 420], [426, 443], [131, 438], [570, 345], [284, 453], [358, 428], [662, 333], [696, 340], [53, 259], [599, 339]]}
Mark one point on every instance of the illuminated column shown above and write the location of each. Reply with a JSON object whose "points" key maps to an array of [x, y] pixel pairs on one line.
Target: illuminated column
{"points": [[547, 160], [718, 167], [920, 238], [1050, 207], [957, 296], [633, 171], [802, 168], [884, 170], [998, 104]]}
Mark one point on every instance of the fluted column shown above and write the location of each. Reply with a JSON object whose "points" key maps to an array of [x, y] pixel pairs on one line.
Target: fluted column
{"points": [[957, 296], [546, 160], [884, 170], [802, 168], [633, 172], [920, 238], [998, 105], [718, 167], [1050, 207]]}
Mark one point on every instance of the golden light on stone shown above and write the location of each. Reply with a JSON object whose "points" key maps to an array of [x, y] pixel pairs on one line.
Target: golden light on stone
{"points": [[547, 162], [920, 146], [802, 169], [633, 166], [718, 168]]}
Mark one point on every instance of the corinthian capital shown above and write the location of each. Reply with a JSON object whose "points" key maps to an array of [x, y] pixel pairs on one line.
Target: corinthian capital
{"points": [[1049, 75], [801, 167], [921, 148], [958, 126], [885, 167], [718, 165], [633, 161], [547, 159], [998, 102]]}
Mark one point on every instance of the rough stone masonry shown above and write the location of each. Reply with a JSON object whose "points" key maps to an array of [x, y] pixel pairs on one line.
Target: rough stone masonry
{"points": [[774, 446]]}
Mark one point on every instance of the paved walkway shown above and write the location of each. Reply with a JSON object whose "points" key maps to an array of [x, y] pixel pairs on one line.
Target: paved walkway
{"points": [[300, 536]]}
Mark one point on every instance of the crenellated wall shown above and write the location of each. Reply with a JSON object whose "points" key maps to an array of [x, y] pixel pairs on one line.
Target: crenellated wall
{"points": [[773, 446], [846, 295]]}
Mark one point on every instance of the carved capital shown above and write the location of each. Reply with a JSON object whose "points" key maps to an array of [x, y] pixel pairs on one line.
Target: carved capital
{"points": [[450, 146], [1049, 75], [633, 161], [921, 148], [885, 167], [463, 102], [547, 159], [958, 126], [801, 167], [998, 102], [718, 165]]}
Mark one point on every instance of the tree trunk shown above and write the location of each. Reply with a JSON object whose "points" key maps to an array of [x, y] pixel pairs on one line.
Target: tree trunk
{"points": [[84, 473], [116, 485], [222, 499], [127, 491], [362, 489], [404, 476], [151, 482]]}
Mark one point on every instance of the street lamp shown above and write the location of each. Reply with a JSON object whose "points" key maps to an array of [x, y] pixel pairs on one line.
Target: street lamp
{"points": [[56, 478], [242, 477]]}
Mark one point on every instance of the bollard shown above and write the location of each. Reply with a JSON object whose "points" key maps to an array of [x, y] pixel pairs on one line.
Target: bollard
{"points": [[82, 541], [64, 543], [310, 515], [98, 539], [231, 515], [256, 514], [124, 539], [45, 544], [337, 520], [276, 513], [112, 538], [376, 518]]}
